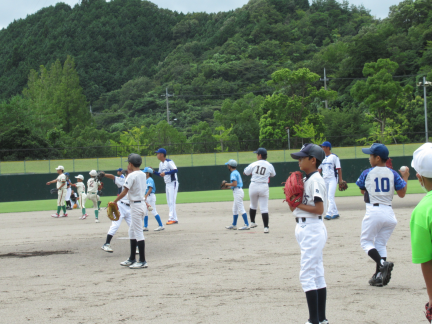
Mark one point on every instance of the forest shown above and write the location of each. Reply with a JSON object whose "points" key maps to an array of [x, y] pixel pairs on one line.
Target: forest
{"points": [[79, 81]]}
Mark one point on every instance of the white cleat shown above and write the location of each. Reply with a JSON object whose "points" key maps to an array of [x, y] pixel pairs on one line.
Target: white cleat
{"points": [[253, 225], [83, 216], [107, 248], [266, 230], [231, 227], [127, 263], [244, 228], [137, 251], [96, 220], [65, 215], [55, 215], [324, 322], [160, 228], [145, 229], [138, 265]]}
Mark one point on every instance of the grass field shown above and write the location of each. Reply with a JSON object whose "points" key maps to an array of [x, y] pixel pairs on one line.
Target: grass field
{"points": [[182, 198], [183, 160]]}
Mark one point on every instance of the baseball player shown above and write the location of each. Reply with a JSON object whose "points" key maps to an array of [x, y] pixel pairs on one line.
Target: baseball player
{"points": [[121, 175], [80, 186], [332, 172], [237, 187], [378, 184], [68, 192], [92, 190], [421, 220], [261, 172], [62, 190], [311, 233], [168, 171], [150, 199], [134, 187]]}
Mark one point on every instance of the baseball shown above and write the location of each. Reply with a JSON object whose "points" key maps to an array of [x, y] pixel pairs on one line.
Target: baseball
{"points": [[403, 168], [150, 208]]}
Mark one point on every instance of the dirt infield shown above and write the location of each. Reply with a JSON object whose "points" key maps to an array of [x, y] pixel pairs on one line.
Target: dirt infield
{"points": [[53, 270]]}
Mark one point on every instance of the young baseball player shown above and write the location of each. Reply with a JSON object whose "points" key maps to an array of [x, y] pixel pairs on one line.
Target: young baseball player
{"points": [[261, 172], [121, 175], [168, 171], [92, 190], [311, 233], [378, 184], [150, 199], [421, 220], [236, 185], [68, 192], [62, 190], [332, 172], [135, 187], [80, 186]]}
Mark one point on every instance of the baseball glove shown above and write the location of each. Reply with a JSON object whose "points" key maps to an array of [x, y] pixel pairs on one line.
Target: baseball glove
{"points": [[100, 187], [53, 191], [294, 188], [113, 212], [343, 186], [223, 185], [389, 163], [100, 175], [428, 312]]}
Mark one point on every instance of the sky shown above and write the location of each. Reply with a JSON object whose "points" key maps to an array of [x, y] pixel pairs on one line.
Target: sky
{"points": [[16, 9]]}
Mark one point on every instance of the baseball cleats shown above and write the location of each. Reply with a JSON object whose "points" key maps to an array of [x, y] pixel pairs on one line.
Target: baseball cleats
{"points": [[127, 263], [107, 248], [335, 216], [139, 265], [55, 215], [65, 215], [145, 229], [244, 228], [386, 270], [96, 220], [83, 216], [171, 222], [266, 230], [231, 227], [253, 225], [160, 228], [376, 280], [328, 217], [324, 322]]}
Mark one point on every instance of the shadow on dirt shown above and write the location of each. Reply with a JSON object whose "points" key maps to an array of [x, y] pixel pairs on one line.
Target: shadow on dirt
{"points": [[32, 254]]}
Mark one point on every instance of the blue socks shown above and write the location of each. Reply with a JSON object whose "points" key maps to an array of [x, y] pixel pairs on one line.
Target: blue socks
{"points": [[245, 219], [145, 221], [159, 220], [235, 217]]}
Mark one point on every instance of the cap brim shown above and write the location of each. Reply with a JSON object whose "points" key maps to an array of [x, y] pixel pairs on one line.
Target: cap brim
{"points": [[367, 151], [255, 152], [298, 155]]}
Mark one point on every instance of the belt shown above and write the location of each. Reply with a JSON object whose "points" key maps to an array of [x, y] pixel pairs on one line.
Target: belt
{"points": [[303, 219], [377, 205], [137, 202], [125, 203]]}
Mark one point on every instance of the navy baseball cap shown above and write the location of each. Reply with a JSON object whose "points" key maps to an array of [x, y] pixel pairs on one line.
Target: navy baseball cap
{"points": [[67, 173], [161, 150], [378, 149], [326, 144], [261, 151], [119, 170], [311, 150]]}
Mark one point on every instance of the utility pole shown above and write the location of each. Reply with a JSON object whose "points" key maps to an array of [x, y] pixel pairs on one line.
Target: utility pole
{"points": [[288, 132], [167, 95], [325, 86], [425, 84]]}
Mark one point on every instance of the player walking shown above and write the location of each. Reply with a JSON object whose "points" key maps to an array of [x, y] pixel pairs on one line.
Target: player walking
{"points": [[237, 187], [168, 171], [62, 190], [92, 190], [68, 192], [121, 175], [331, 171], [261, 172], [378, 184], [81, 194], [311, 233], [150, 199], [135, 187]]}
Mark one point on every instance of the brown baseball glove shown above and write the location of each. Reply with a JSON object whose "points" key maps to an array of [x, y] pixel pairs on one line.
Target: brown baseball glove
{"points": [[113, 212], [343, 186], [100, 187], [223, 185], [294, 188]]}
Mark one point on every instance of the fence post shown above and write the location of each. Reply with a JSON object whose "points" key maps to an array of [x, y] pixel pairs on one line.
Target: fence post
{"points": [[49, 166], [73, 165], [403, 149], [0, 167], [238, 160], [284, 156], [191, 159], [121, 162], [97, 163], [215, 157], [24, 168], [145, 160], [355, 152]]}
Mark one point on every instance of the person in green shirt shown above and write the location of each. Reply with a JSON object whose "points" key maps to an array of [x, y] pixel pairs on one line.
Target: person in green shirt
{"points": [[421, 220]]}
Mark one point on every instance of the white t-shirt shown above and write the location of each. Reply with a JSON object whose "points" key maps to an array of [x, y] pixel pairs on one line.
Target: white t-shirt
{"points": [[167, 166], [314, 186], [136, 183], [60, 180], [92, 185], [119, 182], [261, 171], [329, 166], [80, 188]]}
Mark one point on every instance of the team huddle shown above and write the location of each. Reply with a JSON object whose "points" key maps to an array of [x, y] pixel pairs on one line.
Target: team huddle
{"points": [[316, 203]]}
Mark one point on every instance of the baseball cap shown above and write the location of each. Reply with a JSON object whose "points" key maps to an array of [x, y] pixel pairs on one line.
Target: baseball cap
{"points": [[80, 176], [60, 167], [67, 173], [119, 170], [261, 151], [378, 149], [148, 169], [311, 150], [161, 150], [134, 158], [93, 173], [422, 160], [232, 163], [326, 144]]}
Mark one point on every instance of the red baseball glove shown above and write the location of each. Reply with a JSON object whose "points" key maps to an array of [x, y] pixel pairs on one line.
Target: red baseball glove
{"points": [[428, 312], [389, 163], [100, 187], [294, 188]]}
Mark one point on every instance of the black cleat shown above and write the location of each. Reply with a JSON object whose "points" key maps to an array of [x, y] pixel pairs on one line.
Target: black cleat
{"points": [[376, 280], [386, 270]]}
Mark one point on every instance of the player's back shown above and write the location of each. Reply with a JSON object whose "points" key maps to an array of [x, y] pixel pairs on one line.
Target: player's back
{"points": [[92, 185], [80, 188], [380, 183], [260, 170]]}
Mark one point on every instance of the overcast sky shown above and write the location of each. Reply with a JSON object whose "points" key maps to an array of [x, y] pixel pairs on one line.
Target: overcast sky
{"points": [[15, 9]]}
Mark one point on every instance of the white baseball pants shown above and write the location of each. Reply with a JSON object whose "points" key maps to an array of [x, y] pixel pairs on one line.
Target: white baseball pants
{"points": [[68, 193], [151, 200], [61, 197], [171, 195], [124, 214], [331, 184], [137, 211], [92, 196], [238, 207], [82, 200], [311, 235], [377, 227], [259, 194]]}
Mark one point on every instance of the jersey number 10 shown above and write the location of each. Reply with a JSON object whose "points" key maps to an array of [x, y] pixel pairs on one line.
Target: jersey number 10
{"points": [[385, 185], [262, 171]]}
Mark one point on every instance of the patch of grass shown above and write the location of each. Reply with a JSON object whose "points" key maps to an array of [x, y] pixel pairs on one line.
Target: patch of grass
{"points": [[182, 198]]}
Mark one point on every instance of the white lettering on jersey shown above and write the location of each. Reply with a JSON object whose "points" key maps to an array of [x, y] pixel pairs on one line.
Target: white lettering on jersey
{"points": [[261, 171]]}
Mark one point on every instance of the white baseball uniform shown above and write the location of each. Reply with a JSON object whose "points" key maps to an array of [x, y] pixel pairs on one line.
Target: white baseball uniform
{"points": [[92, 189], [311, 234], [124, 208], [171, 186], [330, 167], [61, 194], [379, 221], [80, 188], [261, 171], [136, 183], [68, 191]]}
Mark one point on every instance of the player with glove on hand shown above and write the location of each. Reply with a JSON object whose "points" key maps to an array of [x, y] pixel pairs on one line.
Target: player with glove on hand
{"points": [[61, 191]]}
